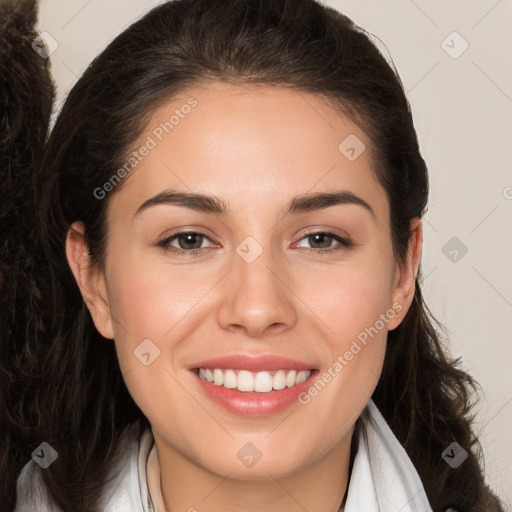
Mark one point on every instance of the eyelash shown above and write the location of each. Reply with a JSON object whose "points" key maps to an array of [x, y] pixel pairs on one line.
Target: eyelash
{"points": [[345, 243]]}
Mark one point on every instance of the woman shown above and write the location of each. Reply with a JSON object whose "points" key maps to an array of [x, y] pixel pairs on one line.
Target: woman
{"points": [[197, 354]]}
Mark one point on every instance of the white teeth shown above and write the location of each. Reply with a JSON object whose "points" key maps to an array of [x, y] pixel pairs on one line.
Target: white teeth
{"points": [[290, 378], [301, 377], [261, 382], [245, 381], [279, 380], [230, 381], [218, 377]]}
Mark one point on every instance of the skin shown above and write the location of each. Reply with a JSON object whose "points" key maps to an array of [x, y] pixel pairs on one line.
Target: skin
{"points": [[255, 148]]}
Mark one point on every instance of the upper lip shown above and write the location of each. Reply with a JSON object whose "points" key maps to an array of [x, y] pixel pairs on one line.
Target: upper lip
{"points": [[253, 363]]}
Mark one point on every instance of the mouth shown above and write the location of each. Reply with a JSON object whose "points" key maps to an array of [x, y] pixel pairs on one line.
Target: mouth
{"points": [[260, 382], [253, 386]]}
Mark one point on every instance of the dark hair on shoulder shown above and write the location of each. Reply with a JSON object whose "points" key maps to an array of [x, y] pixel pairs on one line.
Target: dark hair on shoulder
{"points": [[76, 396]]}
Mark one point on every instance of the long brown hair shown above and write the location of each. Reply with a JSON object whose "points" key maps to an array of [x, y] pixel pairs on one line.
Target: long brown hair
{"points": [[83, 407], [26, 96]]}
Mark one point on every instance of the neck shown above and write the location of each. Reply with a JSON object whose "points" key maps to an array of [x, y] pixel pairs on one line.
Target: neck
{"points": [[318, 486]]}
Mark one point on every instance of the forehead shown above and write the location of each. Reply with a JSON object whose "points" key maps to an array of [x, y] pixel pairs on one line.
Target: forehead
{"points": [[252, 145]]}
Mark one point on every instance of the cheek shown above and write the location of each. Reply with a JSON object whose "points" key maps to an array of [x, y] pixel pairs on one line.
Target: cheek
{"points": [[154, 309], [355, 306], [356, 311], [149, 299], [351, 297], [144, 352]]}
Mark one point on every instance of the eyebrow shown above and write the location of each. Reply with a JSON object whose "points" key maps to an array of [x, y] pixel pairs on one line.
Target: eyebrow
{"points": [[214, 205]]}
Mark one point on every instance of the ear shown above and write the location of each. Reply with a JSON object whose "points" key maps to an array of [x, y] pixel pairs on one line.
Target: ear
{"points": [[90, 279], [405, 281]]}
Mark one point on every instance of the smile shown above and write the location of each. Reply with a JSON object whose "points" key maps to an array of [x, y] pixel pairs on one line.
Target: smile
{"points": [[253, 385], [260, 382]]}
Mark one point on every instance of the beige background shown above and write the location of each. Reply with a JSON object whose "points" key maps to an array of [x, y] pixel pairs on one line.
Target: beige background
{"points": [[463, 114]]}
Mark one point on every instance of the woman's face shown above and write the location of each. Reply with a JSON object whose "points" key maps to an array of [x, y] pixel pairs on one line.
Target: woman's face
{"points": [[279, 282]]}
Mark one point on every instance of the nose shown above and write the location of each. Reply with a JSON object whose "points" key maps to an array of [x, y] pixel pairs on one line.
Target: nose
{"points": [[256, 297]]}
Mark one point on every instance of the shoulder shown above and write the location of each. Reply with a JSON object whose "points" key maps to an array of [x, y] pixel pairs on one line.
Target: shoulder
{"points": [[121, 492]]}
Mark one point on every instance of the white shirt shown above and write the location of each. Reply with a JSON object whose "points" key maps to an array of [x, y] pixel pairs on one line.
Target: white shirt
{"points": [[383, 477]]}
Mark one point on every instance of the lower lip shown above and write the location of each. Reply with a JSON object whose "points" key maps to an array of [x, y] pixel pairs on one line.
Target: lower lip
{"points": [[247, 403]]}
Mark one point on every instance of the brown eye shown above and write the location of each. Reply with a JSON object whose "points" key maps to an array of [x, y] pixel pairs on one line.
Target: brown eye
{"points": [[322, 241], [188, 242]]}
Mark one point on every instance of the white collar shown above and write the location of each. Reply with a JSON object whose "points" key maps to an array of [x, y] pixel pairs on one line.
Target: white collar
{"points": [[383, 477]]}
